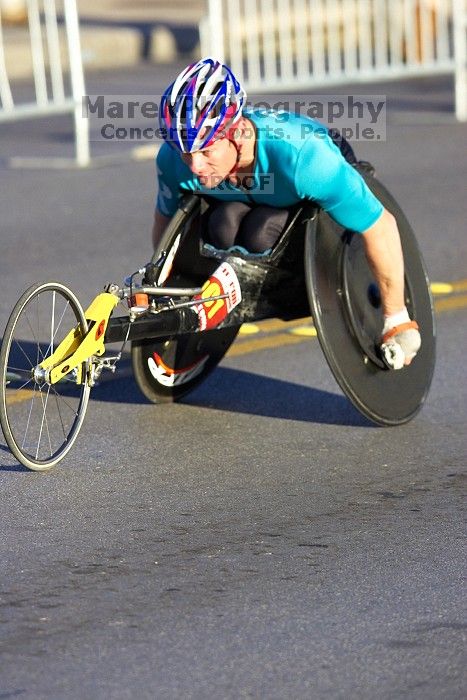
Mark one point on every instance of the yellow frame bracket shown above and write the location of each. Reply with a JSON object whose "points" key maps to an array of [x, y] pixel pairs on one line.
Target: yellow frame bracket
{"points": [[76, 349]]}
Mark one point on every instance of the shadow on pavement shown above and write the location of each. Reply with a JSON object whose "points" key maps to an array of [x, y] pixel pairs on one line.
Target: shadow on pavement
{"points": [[239, 391]]}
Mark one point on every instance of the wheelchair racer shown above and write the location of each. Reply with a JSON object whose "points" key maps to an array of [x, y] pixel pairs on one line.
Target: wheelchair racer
{"points": [[253, 165]]}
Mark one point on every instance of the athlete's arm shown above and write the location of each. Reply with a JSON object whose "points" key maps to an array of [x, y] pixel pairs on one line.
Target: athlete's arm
{"points": [[323, 174], [384, 254], [159, 225], [400, 337]]}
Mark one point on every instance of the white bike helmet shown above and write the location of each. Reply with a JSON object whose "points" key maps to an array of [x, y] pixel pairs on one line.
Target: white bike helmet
{"points": [[200, 105]]}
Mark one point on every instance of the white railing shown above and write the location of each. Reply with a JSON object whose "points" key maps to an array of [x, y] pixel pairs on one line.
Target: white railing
{"points": [[50, 71], [285, 44], [460, 57]]}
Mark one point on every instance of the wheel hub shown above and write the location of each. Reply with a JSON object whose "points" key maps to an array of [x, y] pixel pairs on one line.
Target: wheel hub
{"points": [[41, 375]]}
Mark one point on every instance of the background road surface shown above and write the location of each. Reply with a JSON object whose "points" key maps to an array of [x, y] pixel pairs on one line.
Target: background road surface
{"points": [[260, 539]]}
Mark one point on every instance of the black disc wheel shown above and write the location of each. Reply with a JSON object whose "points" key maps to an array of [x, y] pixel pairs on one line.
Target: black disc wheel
{"points": [[346, 307], [167, 370], [40, 420]]}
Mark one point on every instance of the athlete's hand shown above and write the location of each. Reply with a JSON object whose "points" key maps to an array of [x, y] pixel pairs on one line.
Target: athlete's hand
{"points": [[400, 340]]}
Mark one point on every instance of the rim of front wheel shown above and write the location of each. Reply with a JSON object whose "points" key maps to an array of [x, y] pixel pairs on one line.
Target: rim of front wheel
{"points": [[40, 420]]}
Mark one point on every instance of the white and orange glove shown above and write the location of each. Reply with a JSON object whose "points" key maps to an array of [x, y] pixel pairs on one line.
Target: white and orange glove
{"points": [[400, 340]]}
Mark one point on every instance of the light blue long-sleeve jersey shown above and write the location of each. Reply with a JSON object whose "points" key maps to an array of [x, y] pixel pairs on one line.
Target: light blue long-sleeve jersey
{"points": [[295, 160]]}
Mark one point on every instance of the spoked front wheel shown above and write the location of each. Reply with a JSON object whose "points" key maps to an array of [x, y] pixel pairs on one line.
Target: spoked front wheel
{"points": [[41, 420]]}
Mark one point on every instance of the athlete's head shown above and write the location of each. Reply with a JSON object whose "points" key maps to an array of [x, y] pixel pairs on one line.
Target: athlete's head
{"points": [[200, 106]]}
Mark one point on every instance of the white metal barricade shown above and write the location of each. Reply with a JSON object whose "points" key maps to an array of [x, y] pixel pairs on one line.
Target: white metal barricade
{"points": [[285, 44], [49, 71], [460, 56]]}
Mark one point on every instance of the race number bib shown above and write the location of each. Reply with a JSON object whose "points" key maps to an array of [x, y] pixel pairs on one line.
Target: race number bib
{"points": [[222, 283]]}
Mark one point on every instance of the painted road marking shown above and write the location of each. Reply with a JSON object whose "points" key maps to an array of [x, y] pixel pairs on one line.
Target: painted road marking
{"points": [[441, 288], [271, 325], [302, 329], [275, 333], [18, 395], [305, 331], [249, 329], [448, 287], [460, 286], [263, 343], [451, 303]]}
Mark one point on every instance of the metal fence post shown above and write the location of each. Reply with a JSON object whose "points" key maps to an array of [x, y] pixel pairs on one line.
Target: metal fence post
{"points": [[459, 10], [288, 44], [47, 74], [216, 29], [77, 83]]}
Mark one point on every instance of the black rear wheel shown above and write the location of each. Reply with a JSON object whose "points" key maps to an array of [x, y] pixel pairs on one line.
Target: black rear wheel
{"points": [[346, 308], [167, 370]]}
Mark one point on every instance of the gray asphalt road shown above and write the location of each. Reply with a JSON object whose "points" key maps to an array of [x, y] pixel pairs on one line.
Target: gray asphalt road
{"points": [[260, 540]]}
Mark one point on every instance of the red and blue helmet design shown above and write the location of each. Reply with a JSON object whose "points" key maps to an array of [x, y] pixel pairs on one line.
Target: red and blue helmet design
{"points": [[200, 106]]}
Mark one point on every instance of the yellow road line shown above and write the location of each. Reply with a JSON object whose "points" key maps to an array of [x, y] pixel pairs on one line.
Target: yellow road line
{"points": [[249, 329], [441, 288], [278, 333], [301, 329], [460, 286], [308, 331], [264, 343], [16, 396], [270, 325], [448, 287], [451, 303]]}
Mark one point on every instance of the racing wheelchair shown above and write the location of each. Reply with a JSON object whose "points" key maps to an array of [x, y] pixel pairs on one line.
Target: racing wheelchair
{"points": [[184, 309]]}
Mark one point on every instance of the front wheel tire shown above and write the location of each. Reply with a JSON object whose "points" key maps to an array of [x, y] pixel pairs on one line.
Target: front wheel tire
{"points": [[41, 421]]}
